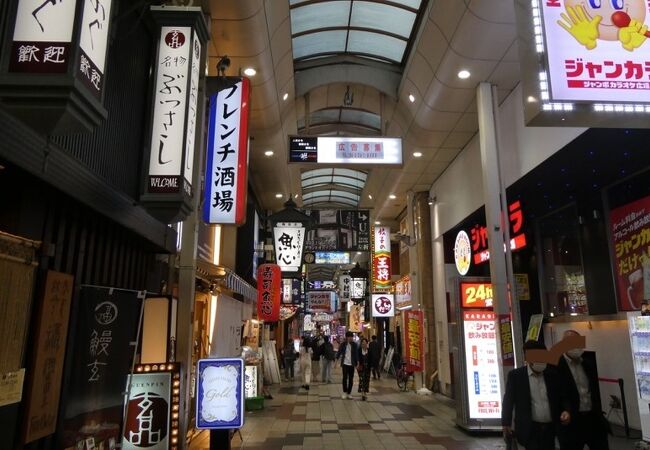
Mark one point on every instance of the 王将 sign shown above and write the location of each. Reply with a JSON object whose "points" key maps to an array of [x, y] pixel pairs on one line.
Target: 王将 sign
{"points": [[220, 393]]}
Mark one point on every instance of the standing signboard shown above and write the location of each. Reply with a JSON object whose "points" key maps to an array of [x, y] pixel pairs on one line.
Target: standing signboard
{"points": [[44, 384], [220, 394], [630, 231], [226, 173], [414, 337]]}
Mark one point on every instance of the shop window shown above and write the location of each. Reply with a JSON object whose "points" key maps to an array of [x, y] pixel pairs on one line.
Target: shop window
{"points": [[563, 280]]}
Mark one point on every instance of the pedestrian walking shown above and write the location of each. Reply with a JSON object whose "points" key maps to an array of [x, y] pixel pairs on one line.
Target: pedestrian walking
{"points": [[305, 362], [579, 374], [375, 357], [348, 353], [289, 357], [327, 360], [540, 404], [317, 342], [364, 366]]}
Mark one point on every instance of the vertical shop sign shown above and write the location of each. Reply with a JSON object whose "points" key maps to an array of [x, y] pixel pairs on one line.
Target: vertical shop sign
{"points": [[383, 305], [345, 282], [286, 291], [93, 44], [414, 334], [107, 323], [630, 231], [42, 39], [250, 381], [403, 293], [45, 381], [166, 162], [147, 424], [355, 318], [507, 348], [269, 292], [481, 360], [227, 160], [381, 268], [220, 394], [288, 238]]}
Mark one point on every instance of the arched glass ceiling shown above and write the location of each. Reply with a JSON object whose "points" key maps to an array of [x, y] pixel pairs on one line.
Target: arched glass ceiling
{"points": [[332, 187], [344, 116], [372, 29]]}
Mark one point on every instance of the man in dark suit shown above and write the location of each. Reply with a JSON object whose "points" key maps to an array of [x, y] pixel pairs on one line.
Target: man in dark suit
{"points": [[539, 401], [579, 374], [349, 354], [375, 357]]}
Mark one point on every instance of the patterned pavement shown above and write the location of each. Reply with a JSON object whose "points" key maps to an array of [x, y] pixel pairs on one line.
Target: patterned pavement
{"points": [[390, 419]]}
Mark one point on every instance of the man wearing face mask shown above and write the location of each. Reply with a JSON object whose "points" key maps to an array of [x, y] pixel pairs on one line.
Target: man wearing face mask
{"points": [[539, 402], [578, 373]]}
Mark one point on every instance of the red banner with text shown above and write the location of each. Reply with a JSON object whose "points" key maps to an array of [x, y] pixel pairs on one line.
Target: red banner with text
{"points": [[414, 335], [269, 292]]}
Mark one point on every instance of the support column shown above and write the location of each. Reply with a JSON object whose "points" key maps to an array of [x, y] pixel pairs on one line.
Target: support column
{"points": [[420, 264], [307, 113], [495, 208]]}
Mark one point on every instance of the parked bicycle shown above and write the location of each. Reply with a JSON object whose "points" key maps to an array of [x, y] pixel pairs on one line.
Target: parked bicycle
{"points": [[402, 375]]}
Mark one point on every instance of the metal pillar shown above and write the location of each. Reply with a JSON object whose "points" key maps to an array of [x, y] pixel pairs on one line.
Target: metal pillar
{"points": [[495, 213]]}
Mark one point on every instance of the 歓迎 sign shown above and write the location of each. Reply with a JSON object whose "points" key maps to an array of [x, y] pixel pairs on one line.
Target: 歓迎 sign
{"points": [[147, 424], [476, 295], [383, 305], [227, 160], [220, 393], [482, 365], [381, 258], [288, 238], [630, 231], [414, 336], [269, 292], [93, 44]]}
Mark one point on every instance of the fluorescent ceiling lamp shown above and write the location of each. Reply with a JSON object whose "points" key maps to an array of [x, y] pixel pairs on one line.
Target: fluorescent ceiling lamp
{"points": [[412, 98], [392, 196], [417, 154], [464, 74], [250, 72], [278, 195], [285, 96], [268, 153]]}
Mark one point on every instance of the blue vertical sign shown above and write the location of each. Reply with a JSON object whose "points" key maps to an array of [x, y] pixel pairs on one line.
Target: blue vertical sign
{"points": [[220, 394]]}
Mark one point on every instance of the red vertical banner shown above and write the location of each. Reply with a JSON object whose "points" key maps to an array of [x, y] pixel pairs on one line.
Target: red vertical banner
{"points": [[269, 292], [381, 268], [507, 349], [414, 327], [630, 230]]}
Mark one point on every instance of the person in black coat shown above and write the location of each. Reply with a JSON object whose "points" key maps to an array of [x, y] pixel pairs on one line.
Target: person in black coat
{"points": [[349, 354], [375, 357], [541, 407], [579, 374]]}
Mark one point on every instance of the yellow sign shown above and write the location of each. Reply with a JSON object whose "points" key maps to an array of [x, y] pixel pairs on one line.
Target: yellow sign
{"points": [[11, 387], [534, 327], [522, 286]]}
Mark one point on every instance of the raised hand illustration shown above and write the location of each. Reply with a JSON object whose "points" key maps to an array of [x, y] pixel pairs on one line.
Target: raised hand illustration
{"points": [[578, 24]]}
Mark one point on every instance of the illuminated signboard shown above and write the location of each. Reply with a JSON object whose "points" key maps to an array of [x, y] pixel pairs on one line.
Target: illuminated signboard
{"points": [[220, 393], [320, 301], [345, 150], [332, 258], [381, 258], [476, 295], [403, 293], [414, 338], [482, 365], [584, 62], [383, 305]]}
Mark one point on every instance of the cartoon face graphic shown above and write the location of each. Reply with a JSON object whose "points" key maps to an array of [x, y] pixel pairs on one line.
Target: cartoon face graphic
{"points": [[607, 30]]}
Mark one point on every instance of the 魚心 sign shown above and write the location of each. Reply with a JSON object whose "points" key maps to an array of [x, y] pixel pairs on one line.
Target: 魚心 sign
{"points": [[220, 394], [289, 238]]}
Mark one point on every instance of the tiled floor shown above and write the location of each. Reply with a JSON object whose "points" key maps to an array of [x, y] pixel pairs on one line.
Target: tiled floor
{"points": [[390, 419]]}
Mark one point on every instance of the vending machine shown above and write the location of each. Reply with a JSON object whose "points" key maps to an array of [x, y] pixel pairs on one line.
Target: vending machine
{"points": [[639, 326], [476, 356]]}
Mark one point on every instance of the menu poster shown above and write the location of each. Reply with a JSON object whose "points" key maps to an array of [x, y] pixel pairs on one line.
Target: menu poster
{"points": [[482, 365], [630, 230]]}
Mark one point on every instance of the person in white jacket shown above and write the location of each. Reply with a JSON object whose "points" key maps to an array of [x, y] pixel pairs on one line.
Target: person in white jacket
{"points": [[305, 362]]}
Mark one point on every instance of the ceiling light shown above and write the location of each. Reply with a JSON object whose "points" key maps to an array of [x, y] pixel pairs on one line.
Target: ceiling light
{"points": [[268, 153], [417, 154], [295, 196], [464, 74], [531, 99], [250, 72], [278, 195], [370, 196], [285, 96], [412, 98], [377, 223], [392, 196]]}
